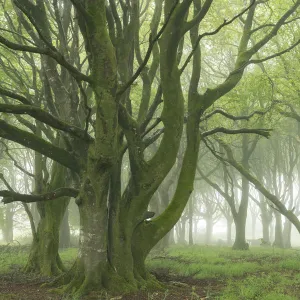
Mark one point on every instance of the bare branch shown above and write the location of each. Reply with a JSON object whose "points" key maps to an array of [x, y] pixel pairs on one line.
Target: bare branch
{"points": [[236, 118], [15, 162], [148, 53], [259, 186], [49, 52], [38, 144], [258, 61], [10, 196], [260, 131], [13, 95], [45, 117], [225, 23]]}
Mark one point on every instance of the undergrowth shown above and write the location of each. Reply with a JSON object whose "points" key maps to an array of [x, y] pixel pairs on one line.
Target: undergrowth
{"points": [[260, 273]]}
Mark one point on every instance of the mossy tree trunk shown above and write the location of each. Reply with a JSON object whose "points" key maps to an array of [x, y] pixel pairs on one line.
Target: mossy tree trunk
{"points": [[43, 256]]}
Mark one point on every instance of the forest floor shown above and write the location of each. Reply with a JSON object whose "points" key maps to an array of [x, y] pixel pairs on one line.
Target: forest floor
{"points": [[188, 273]]}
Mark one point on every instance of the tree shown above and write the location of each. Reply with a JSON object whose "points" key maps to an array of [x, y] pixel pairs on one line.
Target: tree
{"points": [[116, 233]]}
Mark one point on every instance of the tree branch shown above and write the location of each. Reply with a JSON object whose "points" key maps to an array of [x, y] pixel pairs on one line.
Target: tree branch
{"points": [[11, 196], [260, 131], [46, 51], [258, 61], [15, 162], [236, 118], [225, 23], [33, 142], [13, 95], [45, 117], [148, 53], [259, 186]]}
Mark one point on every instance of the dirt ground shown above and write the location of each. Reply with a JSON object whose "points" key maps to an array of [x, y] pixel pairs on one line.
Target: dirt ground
{"points": [[18, 286]]}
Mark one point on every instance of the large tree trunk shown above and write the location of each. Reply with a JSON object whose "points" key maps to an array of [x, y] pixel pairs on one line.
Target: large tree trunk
{"points": [[44, 257], [240, 234]]}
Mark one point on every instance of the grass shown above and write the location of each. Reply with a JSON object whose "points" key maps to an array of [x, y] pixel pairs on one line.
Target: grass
{"points": [[12, 257], [224, 274], [261, 273]]}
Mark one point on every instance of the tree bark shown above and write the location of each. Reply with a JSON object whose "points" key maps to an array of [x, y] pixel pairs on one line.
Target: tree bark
{"points": [[43, 256], [240, 237]]}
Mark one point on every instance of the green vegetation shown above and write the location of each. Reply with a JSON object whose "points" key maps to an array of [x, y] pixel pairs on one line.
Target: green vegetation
{"points": [[262, 273], [15, 257], [223, 273]]}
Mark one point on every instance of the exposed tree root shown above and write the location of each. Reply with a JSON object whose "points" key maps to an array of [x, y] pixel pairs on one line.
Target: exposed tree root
{"points": [[77, 283]]}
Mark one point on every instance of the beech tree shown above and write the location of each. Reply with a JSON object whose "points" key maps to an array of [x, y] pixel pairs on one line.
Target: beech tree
{"points": [[130, 96]]}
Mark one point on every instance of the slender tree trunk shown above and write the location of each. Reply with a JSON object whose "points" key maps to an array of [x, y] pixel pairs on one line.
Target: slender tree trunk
{"points": [[229, 231], [266, 230], [266, 218], [191, 241], [209, 230], [254, 218], [171, 236], [240, 221], [35, 213], [272, 232], [278, 242], [8, 232], [241, 218], [64, 236], [2, 221], [181, 237], [287, 230]]}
